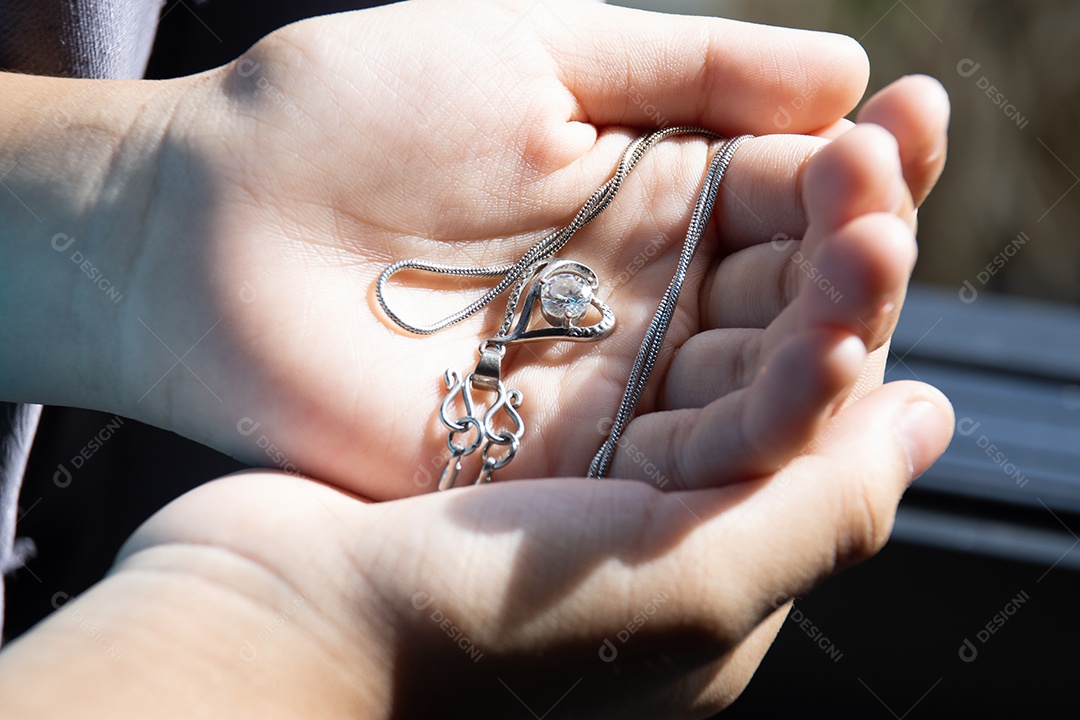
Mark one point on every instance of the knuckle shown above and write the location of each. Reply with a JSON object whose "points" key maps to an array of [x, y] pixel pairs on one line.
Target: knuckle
{"points": [[788, 279], [747, 361], [867, 521]]}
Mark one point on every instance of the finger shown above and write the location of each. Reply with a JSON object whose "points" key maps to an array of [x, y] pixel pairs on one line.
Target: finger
{"points": [[835, 130], [711, 365], [862, 276], [828, 509], [852, 176], [777, 187], [856, 174], [857, 471], [751, 287], [751, 432], [855, 283], [827, 512], [762, 198], [871, 377], [915, 110], [862, 165], [629, 67]]}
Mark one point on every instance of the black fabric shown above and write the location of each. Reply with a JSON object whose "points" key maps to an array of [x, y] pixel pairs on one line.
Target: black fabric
{"points": [[92, 479], [77, 38], [197, 37], [17, 425]]}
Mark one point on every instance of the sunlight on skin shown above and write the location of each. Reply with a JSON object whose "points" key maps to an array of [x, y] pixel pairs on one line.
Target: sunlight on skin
{"points": [[248, 324]]}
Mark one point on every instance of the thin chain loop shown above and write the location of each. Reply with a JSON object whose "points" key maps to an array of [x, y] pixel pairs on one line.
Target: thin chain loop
{"points": [[516, 275]]}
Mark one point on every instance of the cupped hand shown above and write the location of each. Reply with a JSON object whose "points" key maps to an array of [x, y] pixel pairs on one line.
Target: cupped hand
{"points": [[266, 595], [460, 133]]}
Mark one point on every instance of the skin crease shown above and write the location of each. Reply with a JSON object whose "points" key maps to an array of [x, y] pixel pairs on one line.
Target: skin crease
{"points": [[321, 378], [277, 596], [784, 464]]}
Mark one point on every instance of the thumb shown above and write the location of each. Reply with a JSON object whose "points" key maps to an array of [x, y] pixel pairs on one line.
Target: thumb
{"points": [[835, 505], [828, 509]]}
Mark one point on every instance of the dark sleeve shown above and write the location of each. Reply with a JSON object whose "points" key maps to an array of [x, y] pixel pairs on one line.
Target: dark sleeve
{"points": [[78, 38], [17, 426]]}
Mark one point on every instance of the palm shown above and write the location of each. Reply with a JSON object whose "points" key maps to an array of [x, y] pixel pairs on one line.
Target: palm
{"points": [[451, 165], [464, 193], [536, 583]]}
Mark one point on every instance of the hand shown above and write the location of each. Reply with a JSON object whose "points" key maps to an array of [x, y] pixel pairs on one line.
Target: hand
{"points": [[264, 595], [462, 133]]}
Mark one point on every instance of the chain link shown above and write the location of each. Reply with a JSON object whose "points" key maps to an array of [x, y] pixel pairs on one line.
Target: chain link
{"points": [[654, 336], [515, 277]]}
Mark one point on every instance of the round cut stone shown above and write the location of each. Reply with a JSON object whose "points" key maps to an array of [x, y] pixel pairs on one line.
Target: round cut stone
{"points": [[566, 296]]}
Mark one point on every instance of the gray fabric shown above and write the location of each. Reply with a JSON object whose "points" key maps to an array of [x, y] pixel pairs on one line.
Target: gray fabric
{"points": [[17, 425], [66, 38], [78, 38]]}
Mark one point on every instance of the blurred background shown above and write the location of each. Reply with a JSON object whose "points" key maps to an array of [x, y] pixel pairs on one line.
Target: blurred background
{"points": [[971, 610], [1014, 156]]}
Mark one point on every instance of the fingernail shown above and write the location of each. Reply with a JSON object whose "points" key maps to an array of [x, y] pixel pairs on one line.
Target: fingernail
{"points": [[941, 144], [898, 189], [924, 430], [941, 132]]}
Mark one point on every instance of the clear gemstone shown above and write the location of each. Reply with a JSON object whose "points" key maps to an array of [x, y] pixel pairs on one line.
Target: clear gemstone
{"points": [[566, 296]]}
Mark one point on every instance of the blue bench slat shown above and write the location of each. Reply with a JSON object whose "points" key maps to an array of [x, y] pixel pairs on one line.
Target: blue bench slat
{"points": [[1010, 334], [1012, 366]]}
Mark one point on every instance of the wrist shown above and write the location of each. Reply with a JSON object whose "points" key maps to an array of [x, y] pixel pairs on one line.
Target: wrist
{"points": [[82, 159], [184, 630]]}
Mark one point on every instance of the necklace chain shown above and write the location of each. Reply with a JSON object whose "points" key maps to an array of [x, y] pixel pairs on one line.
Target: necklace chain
{"points": [[654, 336], [515, 276]]}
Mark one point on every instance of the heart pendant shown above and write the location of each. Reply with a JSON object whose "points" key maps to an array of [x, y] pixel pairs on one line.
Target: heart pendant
{"points": [[564, 291]]}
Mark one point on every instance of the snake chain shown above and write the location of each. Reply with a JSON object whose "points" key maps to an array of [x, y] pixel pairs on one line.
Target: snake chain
{"points": [[515, 276], [654, 336]]}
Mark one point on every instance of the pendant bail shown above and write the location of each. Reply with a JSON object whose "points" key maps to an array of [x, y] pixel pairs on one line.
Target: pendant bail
{"points": [[488, 373]]}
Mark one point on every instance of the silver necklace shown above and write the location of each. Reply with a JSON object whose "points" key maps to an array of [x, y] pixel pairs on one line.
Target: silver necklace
{"points": [[565, 291]]}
